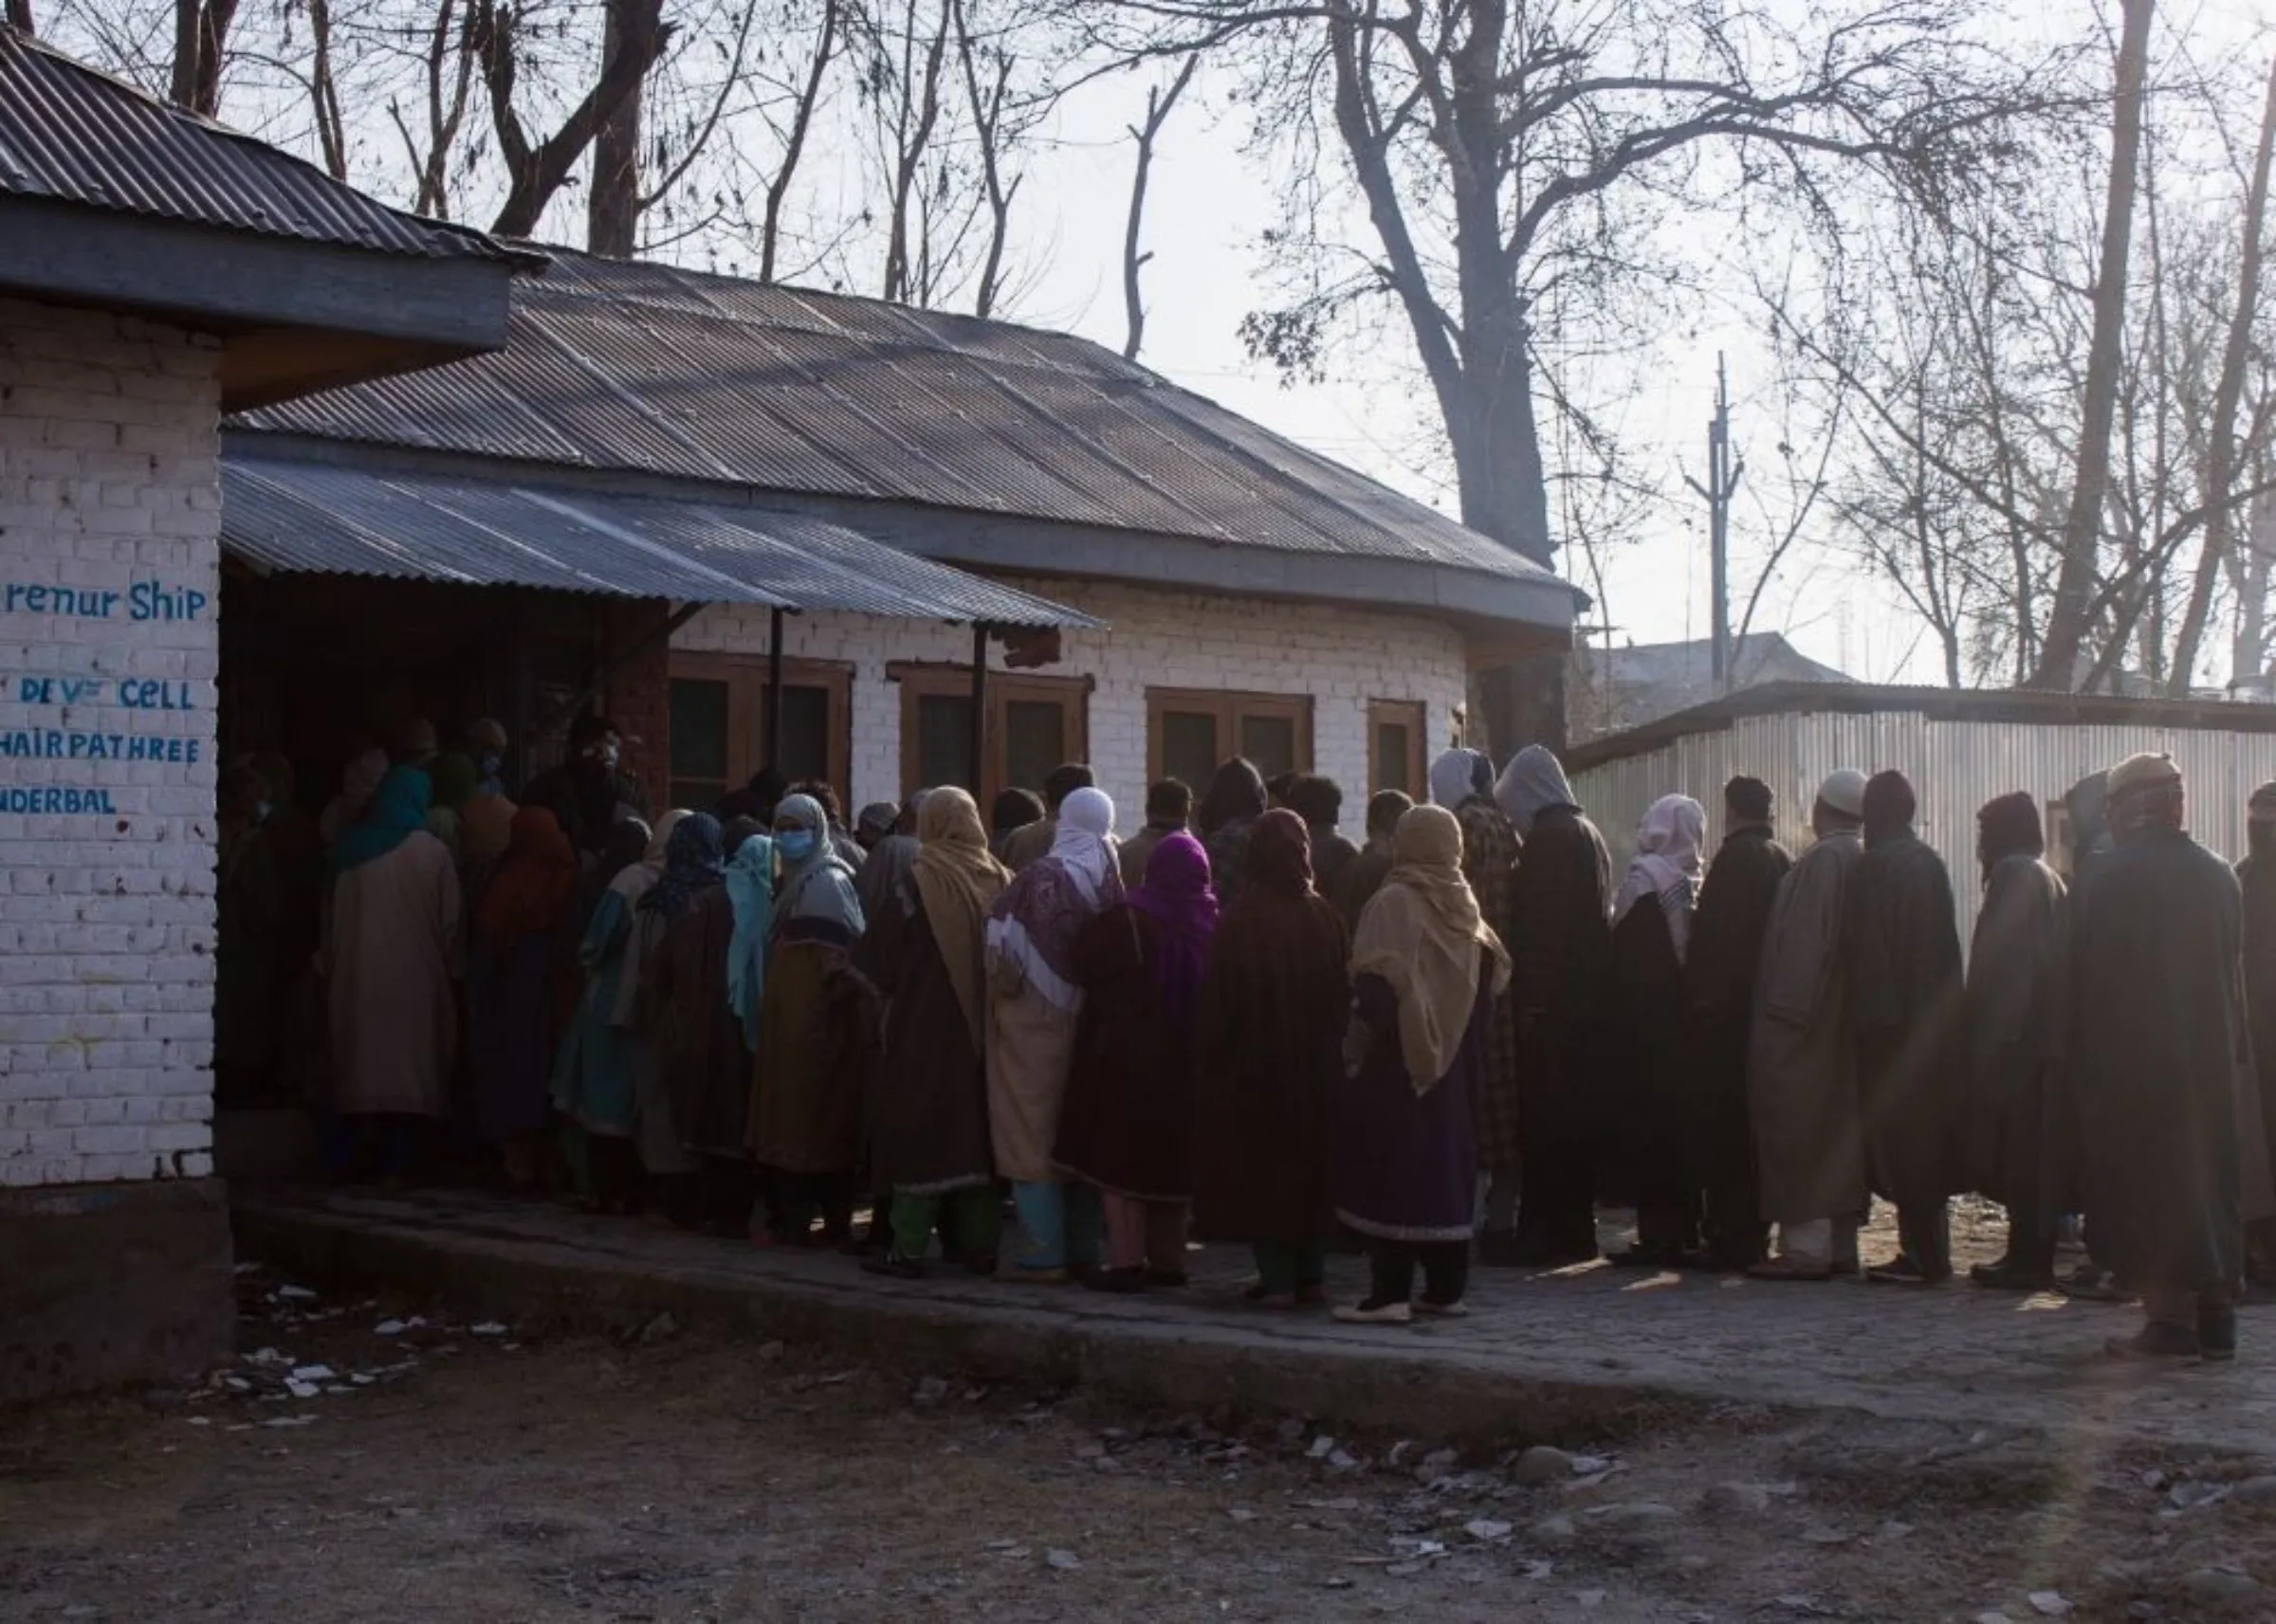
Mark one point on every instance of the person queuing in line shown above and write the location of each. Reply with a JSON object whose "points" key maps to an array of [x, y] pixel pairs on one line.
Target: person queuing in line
{"points": [[2015, 1014], [1561, 945], [1319, 801], [1012, 810], [596, 1075], [1127, 1125], [1168, 809], [926, 951], [1236, 801], [516, 1001], [849, 850], [358, 782], [2256, 875], [1903, 943], [891, 854], [876, 822], [1279, 789], [1461, 780], [1802, 1089], [2160, 1050], [1035, 1015], [1653, 1060], [817, 1028], [1365, 874], [453, 777], [751, 887], [389, 954], [1425, 972], [692, 1029], [1034, 841], [1275, 1003], [590, 793], [1719, 972], [486, 819]]}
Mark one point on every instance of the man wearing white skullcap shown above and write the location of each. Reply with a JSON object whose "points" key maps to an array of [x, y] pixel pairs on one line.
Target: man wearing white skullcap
{"points": [[1802, 1087]]}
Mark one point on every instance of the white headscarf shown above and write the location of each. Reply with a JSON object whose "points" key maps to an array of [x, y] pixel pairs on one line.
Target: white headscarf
{"points": [[1531, 783], [1085, 840], [1666, 866], [1454, 778]]}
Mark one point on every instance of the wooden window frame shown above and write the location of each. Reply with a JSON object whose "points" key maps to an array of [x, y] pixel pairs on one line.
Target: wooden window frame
{"points": [[922, 679], [1414, 714], [1229, 706], [746, 677]]}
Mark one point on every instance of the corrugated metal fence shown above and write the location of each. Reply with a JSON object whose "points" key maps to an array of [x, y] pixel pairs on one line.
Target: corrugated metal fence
{"points": [[1955, 768]]}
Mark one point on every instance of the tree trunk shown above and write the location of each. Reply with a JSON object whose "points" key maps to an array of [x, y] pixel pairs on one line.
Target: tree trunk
{"points": [[613, 205], [2082, 527], [794, 147], [1158, 103], [19, 16], [2227, 396], [189, 23]]}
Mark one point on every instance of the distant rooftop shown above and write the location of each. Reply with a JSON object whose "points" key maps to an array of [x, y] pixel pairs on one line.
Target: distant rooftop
{"points": [[1628, 688]]}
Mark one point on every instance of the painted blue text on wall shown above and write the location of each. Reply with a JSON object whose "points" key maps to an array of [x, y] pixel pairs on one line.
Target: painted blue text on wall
{"points": [[140, 601], [33, 798]]}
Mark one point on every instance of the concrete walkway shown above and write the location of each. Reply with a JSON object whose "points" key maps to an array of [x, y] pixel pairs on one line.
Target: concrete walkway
{"points": [[1582, 1352]]}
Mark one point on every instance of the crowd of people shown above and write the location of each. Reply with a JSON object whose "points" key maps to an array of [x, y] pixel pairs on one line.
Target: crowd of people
{"points": [[1454, 1043]]}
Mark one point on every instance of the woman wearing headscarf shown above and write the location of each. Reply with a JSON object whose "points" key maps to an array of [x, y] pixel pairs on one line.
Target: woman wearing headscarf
{"points": [[1425, 970], [453, 777], [1561, 947], [1657, 1108], [1034, 1011], [816, 1033], [891, 854], [691, 1026], [1127, 1125], [750, 886], [926, 950], [1274, 1005], [1236, 801], [596, 1080], [390, 947], [514, 997]]}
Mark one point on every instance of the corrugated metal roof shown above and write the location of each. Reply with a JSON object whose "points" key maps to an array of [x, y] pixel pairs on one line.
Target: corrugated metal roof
{"points": [[663, 371], [71, 135], [317, 518]]}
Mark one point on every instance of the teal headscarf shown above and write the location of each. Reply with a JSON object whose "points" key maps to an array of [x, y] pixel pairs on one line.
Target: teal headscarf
{"points": [[751, 890], [395, 812]]}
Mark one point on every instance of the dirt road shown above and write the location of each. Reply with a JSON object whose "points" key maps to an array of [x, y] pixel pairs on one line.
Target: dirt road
{"points": [[457, 1473]]}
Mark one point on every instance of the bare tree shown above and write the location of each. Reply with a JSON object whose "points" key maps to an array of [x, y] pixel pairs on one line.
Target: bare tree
{"points": [[19, 16], [909, 103], [201, 34], [2082, 528], [1159, 101], [2221, 458], [794, 141], [446, 61], [537, 170]]}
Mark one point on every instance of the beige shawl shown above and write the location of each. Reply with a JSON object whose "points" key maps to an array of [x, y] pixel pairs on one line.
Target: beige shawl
{"points": [[958, 880], [1421, 933]]}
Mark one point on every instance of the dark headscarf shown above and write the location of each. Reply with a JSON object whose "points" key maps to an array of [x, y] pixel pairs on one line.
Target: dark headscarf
{"points": [[2009, 827], [1749, 798], [396, 811], [694, 861], [1176, 895], [1889, 806], [454, 777], [1280, 853], [1236, 793], [739, 829]]}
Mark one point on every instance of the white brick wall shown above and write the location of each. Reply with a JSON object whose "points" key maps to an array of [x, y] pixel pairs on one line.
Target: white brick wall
{"points": [[1342, 658], [110, 487]]}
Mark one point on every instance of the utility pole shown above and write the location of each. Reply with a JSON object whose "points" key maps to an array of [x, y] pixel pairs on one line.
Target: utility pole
{"points": [[1722, 483]]}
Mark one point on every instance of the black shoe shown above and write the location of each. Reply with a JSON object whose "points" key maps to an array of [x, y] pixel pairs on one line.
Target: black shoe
{"points": [[1120, 1282], [2160, 1340], [894, 1267], [2216, 1335], [1166, 1279]]}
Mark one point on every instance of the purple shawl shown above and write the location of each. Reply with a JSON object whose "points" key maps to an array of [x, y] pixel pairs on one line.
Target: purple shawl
{"points": [[1176, 895]]}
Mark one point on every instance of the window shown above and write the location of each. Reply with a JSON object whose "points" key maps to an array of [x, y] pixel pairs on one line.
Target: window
{"points": [[1033, 725], [1189, 733], [1397, 731], [718, 724]]}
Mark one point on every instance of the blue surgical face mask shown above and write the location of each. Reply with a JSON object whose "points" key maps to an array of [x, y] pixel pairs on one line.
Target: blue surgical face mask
{"points": [[796, 845]]}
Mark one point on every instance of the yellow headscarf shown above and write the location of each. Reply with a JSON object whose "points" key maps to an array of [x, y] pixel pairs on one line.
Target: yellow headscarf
{"points": [[1422, 934], [958, 880]]}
